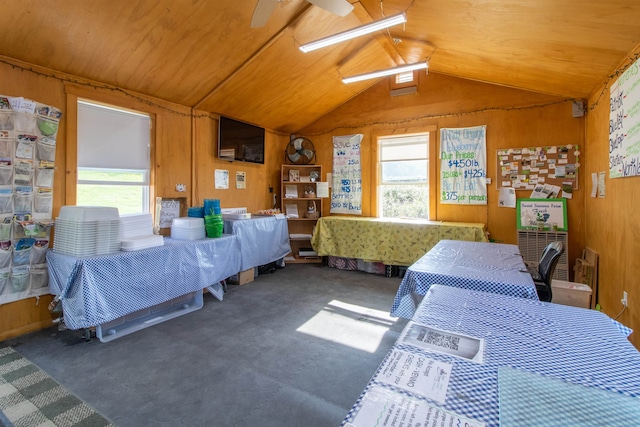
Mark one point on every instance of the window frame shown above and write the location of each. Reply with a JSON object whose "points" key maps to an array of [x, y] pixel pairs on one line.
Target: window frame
{"points": [[422, 158], [394, 84], [75, 93], [375, 169]]}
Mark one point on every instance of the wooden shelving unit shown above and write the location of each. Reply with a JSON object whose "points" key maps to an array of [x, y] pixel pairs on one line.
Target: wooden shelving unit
{"points": [[299, 201]]}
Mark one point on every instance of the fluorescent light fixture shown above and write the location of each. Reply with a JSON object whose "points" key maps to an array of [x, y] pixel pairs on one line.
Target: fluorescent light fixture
{"points": [[355, 32], [387, 72]]}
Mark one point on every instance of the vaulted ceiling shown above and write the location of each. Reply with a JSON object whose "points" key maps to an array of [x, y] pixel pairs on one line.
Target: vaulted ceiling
{"points": [[203, 53]]}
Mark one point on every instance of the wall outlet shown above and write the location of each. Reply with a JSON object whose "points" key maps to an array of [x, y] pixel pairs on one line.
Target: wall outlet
{"points": [[624, 298]]}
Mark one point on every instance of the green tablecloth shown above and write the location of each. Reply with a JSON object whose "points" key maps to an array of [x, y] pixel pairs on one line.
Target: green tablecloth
{"points": [[391, 241]]}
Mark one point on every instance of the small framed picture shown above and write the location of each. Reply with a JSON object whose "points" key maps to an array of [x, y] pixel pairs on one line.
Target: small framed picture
{"points": [[294, 175], [314, 176]]}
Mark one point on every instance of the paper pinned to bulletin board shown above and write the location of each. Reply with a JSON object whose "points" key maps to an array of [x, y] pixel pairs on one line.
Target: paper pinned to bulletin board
{"points": [[525, 168]]}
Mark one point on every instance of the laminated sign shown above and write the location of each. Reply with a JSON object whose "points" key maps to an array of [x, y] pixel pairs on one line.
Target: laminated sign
{"points": [[463, 166]]}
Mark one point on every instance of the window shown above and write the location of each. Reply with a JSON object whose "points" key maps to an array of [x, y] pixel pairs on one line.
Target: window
{"points": [[403, 190], [406, 77], [113, 158]]}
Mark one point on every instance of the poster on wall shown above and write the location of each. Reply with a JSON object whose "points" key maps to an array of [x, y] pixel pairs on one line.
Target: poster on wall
{"points": [[541, 214], [624, 124], [346, 197], [463, 165]]}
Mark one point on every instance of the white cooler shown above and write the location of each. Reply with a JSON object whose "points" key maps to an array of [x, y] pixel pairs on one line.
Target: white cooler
{"points": [[571, 293]]}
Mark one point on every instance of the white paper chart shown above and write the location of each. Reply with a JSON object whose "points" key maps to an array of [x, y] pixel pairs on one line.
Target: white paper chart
{"points": [[418, 374], [463, 166], [383, 408], [624, 124], [346, 196]]}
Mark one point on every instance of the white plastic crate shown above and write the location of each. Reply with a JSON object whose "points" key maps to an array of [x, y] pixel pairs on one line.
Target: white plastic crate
{"points": [[570, 293], [144, 318], [371, 267], [89, 213]]}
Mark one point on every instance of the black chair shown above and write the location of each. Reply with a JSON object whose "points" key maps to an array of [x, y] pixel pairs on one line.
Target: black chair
{"points": [[542, 274]]}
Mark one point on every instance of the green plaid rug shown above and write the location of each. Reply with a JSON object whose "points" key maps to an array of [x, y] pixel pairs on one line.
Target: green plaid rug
{"points": [[29, 397]]}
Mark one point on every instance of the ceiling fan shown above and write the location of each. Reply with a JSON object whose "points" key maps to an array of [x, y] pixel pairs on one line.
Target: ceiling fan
{"points": [[264, 8]]}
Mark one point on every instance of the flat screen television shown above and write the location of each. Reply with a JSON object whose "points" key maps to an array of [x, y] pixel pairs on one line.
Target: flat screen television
{"points": [[239, 141]]}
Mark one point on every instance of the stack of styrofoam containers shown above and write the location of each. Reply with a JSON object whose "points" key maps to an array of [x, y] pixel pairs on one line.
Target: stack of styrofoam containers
{"points": [[135, 225], [87, 230], [188, 229], [136, 232]]}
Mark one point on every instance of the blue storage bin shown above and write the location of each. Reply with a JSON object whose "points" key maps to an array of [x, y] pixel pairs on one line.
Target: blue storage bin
{"points": [[196, 212]]}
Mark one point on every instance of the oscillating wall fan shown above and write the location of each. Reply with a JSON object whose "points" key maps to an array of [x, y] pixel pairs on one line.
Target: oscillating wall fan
{"points": [[264, 8], [300, 151]]}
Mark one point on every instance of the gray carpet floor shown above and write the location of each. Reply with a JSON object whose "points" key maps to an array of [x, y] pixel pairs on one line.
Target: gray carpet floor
{"points": [[292, 348]]}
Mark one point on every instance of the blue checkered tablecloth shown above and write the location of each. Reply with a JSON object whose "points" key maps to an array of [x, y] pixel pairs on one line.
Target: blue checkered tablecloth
{"points": [[98, 289], [571, 344], [488, 267], [262, 239]]}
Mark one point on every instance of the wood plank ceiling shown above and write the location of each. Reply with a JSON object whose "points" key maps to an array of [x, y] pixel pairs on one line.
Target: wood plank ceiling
{"points": [[203, 54]]}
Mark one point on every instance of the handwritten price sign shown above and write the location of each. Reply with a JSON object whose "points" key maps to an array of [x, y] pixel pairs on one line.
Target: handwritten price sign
{"points": [[624, 124], [463, 166], [347, 175]]}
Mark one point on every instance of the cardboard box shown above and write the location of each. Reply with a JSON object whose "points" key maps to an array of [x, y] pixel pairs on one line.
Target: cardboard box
{"points": [[243, 277], [571, 293]]}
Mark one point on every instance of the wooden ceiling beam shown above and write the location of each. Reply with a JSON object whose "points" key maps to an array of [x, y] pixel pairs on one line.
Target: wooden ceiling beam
{"points": [[255, 54]]}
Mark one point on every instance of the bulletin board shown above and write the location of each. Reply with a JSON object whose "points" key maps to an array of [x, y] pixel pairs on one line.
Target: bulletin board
{"points": [[524, 168]]}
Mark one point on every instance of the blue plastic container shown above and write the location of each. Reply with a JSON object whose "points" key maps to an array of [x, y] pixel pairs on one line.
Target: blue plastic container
{"points": [[196, 212], [212, 207]]}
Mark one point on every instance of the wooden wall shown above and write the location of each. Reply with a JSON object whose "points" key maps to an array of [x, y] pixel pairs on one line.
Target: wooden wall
{"points": [[32, 314], [514, 118], [185, 144], [612, 226], [177, 133], [259, 178]]}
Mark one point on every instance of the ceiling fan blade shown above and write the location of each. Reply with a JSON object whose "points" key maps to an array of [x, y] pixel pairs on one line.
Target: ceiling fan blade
{"points": [[308, 153], [294, 157], [339, 7], [262, 12], [297, 143]]}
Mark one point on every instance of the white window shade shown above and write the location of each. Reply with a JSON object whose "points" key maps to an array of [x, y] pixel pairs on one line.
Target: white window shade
{"points": [[404, 148], [111, 138]]}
